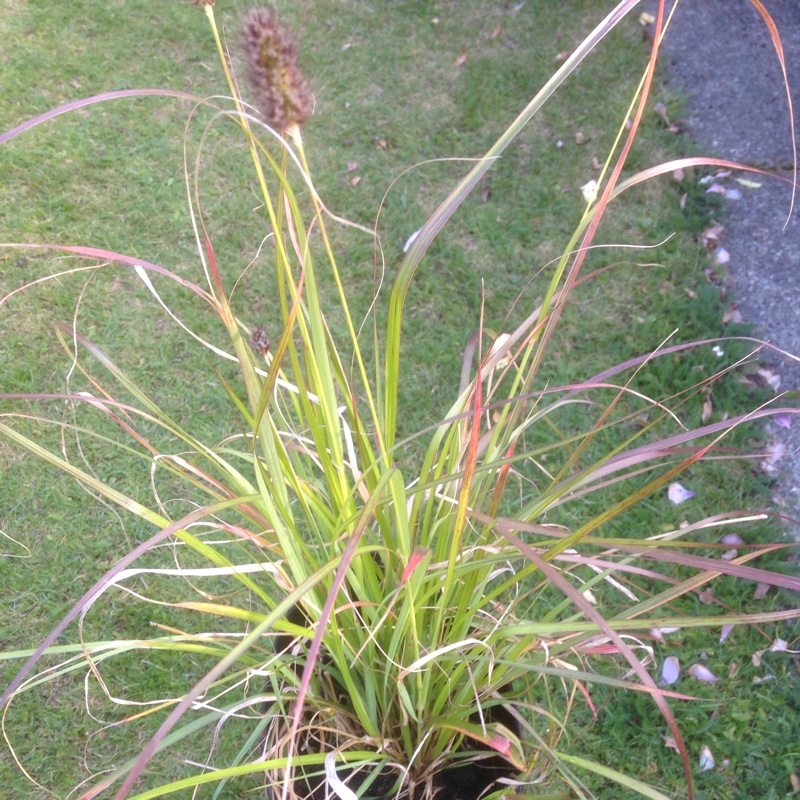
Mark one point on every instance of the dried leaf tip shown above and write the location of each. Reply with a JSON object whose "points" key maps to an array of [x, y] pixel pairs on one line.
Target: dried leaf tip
{"points": [[259, 340], [281, 93], [202, 3]]}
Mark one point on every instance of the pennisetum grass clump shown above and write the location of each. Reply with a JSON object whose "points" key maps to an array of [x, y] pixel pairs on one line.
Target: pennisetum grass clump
{"points": [[414, 636]]}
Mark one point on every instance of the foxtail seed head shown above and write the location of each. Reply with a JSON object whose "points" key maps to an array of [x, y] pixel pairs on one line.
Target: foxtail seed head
{"points": [[281, 92]]}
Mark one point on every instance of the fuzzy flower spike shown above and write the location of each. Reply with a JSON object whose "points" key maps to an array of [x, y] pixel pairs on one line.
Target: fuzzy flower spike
{"points": [[281, 92]]}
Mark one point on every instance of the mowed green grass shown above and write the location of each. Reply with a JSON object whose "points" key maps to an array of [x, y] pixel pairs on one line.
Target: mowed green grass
{"points": [[397, 85]]}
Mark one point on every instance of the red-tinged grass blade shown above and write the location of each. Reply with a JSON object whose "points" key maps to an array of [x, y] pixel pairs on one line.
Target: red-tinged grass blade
{"points": [[776, 41], [110, 255], [98, 98], [557, 579]]}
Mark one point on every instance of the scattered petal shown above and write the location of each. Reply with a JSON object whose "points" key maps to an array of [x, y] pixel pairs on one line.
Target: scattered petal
{"points": [[661, 110], [795, 782], [589, 191], [579, 137], [347, 45], [355, 181], [678, 494], [351, 165], [759, 679], [589, 595], [684, 198], [678, 175], [761, 590], [706, 596], [701, 673], [559, 144], [717, 351], [721, 256], [646, 19], [670, 671], [725, 173], [658, 633], [711, 234], [756, 660], [748, 184], [496, 31], [716, 188], [729, 555], [410, 240], [733, 194], [778, 646], [706, 759], [563, 55], [733, 669], [732, 539], [783, 420], [773, 453], [461, 59], [706, 179], [596, 163]]}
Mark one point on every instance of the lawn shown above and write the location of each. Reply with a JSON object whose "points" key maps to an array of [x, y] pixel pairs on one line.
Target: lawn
{"points": [[405, 94]]}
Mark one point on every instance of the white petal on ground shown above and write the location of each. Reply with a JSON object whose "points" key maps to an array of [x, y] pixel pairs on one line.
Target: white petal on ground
{"points": [[717, 351], [589, 191], [724, 634], [778, 646], [701, 673], [783, 420], [706, 759], [670, 670], [678, 494], [721, 256]]}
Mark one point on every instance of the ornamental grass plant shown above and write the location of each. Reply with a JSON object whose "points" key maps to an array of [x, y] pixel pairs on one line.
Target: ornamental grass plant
{"points": [[370, 611]]}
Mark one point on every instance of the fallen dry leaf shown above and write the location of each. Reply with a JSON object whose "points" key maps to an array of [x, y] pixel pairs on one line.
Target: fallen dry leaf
{"points": [[496, 31], [670, 743], [732, 314], [706, 596], [596, 163], [795, 782], [579, 137], [355, 181], [761, 590], [732, 669], [708, 408], [383, 144], [711, 234], [461, 59]]}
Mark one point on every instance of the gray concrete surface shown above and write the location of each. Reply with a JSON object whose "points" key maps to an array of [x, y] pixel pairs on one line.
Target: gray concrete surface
{"points": [[719, 54]]}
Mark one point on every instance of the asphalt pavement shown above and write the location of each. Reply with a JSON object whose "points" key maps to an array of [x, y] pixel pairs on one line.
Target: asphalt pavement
{"points": [[720, 56]]}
